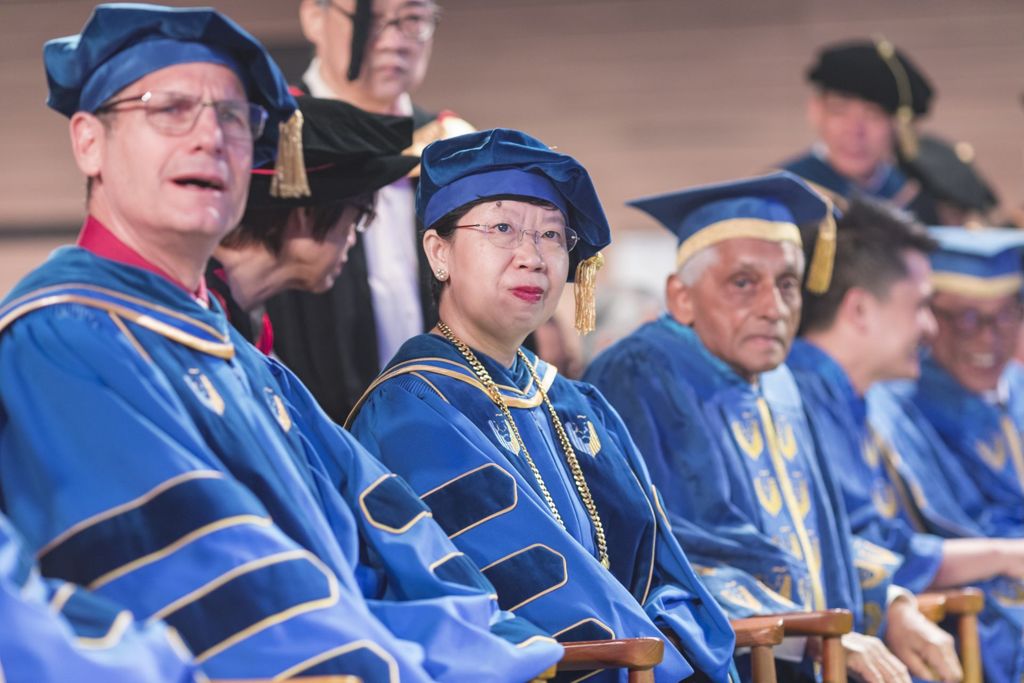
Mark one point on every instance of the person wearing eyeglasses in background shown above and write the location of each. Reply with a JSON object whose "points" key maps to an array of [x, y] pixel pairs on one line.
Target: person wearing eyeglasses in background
{"points": [[971, 389], [372, 54], [303, 242], [860, 342]]}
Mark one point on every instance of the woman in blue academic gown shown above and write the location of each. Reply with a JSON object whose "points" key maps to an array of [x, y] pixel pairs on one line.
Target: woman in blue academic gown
{"points": [[533, 476]]}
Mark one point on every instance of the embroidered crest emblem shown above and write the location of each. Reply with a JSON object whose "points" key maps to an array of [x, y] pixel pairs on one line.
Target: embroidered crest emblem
{"points": [[872, 618], [741, 596], [804, 591], [1009, 594], [792, 543], [803, 495], [784, 584], [278, 409], [204, 390], [768, 493], [993, 454], [884, 499], [583, 436], [870, 455], [787, 442], [502, 431], [749, 438]]}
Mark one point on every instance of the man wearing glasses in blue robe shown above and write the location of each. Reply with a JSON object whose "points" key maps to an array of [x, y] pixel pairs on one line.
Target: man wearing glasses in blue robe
{"points": [[153, 456]]}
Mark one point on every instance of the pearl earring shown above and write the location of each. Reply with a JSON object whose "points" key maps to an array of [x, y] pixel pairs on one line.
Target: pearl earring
{"points": [[442, 274]]}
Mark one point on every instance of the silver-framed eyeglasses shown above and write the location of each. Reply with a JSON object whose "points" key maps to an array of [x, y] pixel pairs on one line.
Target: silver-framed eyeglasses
{"points": [[174, 113], [970, 321], [508, 236], [415, 23]]}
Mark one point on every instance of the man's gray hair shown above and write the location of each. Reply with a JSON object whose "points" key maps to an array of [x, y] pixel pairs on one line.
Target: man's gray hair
{"points": [[693, 268]]}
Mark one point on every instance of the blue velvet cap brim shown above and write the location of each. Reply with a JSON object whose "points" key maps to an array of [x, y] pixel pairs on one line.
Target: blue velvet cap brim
{"points": [[142, 59], [507, 181], [778, 197], [486, 155], [986, 253]]}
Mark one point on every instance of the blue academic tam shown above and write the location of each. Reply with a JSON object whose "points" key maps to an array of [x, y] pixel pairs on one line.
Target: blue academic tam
{"points": [[977, 262]]}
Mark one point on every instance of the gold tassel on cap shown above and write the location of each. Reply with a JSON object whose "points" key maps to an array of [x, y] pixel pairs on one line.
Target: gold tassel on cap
{"points": [[290, 181], [585, 289], [906, 136], [819, 272]]}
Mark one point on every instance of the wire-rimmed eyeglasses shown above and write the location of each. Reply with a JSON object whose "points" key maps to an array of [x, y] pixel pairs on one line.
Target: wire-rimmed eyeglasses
{"points": [[415, 23], [970, 321], [175, 113], [508, 236]]}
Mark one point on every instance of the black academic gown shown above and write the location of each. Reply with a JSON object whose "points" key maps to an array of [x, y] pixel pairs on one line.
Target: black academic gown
{"points": [[330, 340]]}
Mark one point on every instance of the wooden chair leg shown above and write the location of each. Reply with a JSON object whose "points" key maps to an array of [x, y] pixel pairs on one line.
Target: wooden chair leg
{"points": [[970, 648], [829, 625], [762, 664], [964, 604], [760, 634], [833, 660], [645, 676]]}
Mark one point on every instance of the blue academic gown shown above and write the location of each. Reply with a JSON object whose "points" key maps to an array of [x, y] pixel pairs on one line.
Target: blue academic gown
{"points": [[429, 419], [985, 436], [151, 455], [872, 497], [55, 632], [932, 491], [890, 185], [745, 492]]}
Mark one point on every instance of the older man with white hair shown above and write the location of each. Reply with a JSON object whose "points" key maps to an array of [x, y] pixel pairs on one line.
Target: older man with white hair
{"points": [[717, 416]]}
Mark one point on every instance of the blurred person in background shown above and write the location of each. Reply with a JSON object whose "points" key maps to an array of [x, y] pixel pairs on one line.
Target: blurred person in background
{"points": [[971, 389], [303, 242], [868, 328], [947, 173], [867, 98], [372, 54]]}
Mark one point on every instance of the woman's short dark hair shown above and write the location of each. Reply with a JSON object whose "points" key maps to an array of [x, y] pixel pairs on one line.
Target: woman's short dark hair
{"points": [[445, 227], [266, 225]]}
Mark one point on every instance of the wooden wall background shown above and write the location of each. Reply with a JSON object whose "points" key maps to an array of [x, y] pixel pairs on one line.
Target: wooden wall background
{"points": [[650, 95]]}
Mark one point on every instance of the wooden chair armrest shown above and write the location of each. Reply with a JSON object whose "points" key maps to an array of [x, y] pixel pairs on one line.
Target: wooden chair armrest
{"points": [[969, 600], [758, 631], [637, 654], [301, 679], [932, 606], [826, 623]]}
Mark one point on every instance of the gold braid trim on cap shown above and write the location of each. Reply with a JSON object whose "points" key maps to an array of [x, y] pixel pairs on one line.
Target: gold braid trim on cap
{"points": [[585, 289], [819, 270], [905, 134], [980, 287], [290, 181], [737, 228]]}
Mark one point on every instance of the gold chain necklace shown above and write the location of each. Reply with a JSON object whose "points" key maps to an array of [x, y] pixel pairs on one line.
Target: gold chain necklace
{"points": [[570, 455]]}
